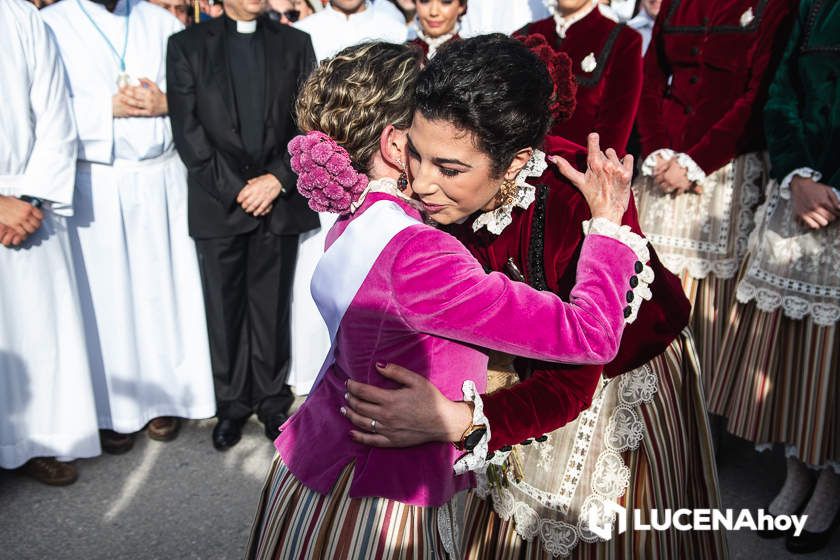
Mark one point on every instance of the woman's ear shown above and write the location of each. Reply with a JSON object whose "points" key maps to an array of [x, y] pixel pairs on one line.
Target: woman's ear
{"points": [[392, 147], [519, 161]]}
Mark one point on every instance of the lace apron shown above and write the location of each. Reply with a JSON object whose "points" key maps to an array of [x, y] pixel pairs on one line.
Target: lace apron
{"points": [[792, 267], [556, 506], [707, 233]]}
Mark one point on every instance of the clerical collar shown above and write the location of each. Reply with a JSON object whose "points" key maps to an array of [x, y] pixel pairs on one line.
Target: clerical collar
{"points": [[564, 23], [244, 27]]}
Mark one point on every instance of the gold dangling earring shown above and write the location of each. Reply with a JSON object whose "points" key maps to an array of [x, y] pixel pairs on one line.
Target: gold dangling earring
{"points": [[507, 193], [402, 180]]}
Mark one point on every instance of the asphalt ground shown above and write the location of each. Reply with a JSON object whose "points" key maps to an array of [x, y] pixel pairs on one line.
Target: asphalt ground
{"points": [[183, 499]]}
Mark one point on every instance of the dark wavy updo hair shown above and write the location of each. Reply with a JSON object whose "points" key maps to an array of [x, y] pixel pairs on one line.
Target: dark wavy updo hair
{"points": [[493, 87]]}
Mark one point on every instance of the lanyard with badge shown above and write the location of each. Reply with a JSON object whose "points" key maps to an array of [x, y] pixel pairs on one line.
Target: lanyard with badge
{"points": [[123, 79]]}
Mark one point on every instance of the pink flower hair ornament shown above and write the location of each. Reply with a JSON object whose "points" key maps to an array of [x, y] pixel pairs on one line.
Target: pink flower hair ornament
{"points": [[325, 173]]}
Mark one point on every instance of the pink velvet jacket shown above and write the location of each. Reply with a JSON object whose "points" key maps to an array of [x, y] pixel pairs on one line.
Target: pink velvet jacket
{"points": [[429, 306]]}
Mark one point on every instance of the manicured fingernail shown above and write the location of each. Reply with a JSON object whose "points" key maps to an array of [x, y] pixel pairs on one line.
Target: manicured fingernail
{"points": [[343, 411], [380, 364], [346, 396]]}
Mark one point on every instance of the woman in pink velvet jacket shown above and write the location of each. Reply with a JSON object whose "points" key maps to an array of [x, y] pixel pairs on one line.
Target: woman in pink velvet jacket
{"points": [[393, 289]]}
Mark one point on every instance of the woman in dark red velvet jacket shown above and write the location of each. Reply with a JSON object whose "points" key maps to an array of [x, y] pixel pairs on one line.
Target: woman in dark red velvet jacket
{"points": [[607, 64], [437, 23], [644, 435], [707, 72]]}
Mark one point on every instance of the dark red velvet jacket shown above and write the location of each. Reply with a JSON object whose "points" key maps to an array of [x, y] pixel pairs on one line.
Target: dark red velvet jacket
{"points": [[607, 97], [425, 47], [544, 242], [720, 71]]}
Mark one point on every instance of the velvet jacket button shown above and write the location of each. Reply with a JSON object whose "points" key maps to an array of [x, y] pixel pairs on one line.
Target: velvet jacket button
{"points": [[638, 267], [634, 281], [630, 297], [627, 312]]}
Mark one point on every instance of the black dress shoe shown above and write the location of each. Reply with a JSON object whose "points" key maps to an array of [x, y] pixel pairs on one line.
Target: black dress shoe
{"points": [[272, 424], [808, 542], [227, 433]]}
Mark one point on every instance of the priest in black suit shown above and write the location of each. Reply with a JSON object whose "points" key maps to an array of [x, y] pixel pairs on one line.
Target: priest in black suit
{"points": [[231, 87]]}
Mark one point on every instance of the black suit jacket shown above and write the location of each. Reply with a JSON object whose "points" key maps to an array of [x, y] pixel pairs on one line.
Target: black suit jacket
{"points": [[206, 127]]}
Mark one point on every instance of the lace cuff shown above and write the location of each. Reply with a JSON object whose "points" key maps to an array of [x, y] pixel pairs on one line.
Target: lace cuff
{"points": [[643, 278], [806, 172], [478, 459], [693, 171], [649, 165]]}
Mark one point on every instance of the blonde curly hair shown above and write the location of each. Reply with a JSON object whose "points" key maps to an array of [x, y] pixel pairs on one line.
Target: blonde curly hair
{"points": [[353, 96]]}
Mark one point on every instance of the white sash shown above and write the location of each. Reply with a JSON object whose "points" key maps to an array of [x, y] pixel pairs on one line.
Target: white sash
{"points": [[346, 264]]}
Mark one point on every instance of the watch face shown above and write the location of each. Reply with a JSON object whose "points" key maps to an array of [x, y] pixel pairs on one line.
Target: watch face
{"points": [[475, 436]]}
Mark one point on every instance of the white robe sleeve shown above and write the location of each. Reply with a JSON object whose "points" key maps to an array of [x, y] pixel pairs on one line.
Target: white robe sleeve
{"points": [[51, 167]]}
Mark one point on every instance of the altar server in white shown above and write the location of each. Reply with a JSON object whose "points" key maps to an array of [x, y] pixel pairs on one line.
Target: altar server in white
{"points": [[501, 16], [342, 23], [137, 268], [46, 397]]}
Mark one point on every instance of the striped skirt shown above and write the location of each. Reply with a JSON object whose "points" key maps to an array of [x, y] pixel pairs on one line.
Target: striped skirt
{"points": [[711, 300], [779, 382], [703, 238], [296, 523], [673, 467]]}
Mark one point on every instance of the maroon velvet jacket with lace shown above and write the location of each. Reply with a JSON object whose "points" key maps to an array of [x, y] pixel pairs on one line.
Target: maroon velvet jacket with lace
{"points": [[544, 242], [607, 97], [719, 71]]}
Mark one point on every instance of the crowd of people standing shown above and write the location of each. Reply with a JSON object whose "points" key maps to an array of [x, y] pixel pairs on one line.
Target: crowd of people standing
{"points": [[164, 257]]}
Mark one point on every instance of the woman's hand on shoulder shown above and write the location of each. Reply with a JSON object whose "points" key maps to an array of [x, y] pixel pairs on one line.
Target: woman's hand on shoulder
{"points": [[606, 183]]}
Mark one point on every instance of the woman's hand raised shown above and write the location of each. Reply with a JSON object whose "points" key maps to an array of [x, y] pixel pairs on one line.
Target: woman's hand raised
{"points": [[606, 183]]}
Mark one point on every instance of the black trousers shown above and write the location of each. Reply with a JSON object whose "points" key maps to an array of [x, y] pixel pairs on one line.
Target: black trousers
{"points": [[247, 283]]}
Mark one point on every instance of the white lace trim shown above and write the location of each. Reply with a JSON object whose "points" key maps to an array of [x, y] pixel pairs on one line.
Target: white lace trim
{"points": [[385, 185], [449, 529], [610, 478], [434, 43], [639, 245], [805, 172], [824, 314], [476, 460], [497, 220], [694, 172]]}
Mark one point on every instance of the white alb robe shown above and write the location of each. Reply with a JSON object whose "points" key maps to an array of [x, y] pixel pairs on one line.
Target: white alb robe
{"points": [[501, 16], [137, 267], [389, 9], [46, 397], [330, 31]]}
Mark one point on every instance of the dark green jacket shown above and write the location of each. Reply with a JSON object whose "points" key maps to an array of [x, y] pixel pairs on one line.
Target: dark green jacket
{"points": [[802, 115]]}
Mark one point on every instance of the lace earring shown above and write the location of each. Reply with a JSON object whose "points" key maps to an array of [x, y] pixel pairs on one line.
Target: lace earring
{"points": [[402, 180]]}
